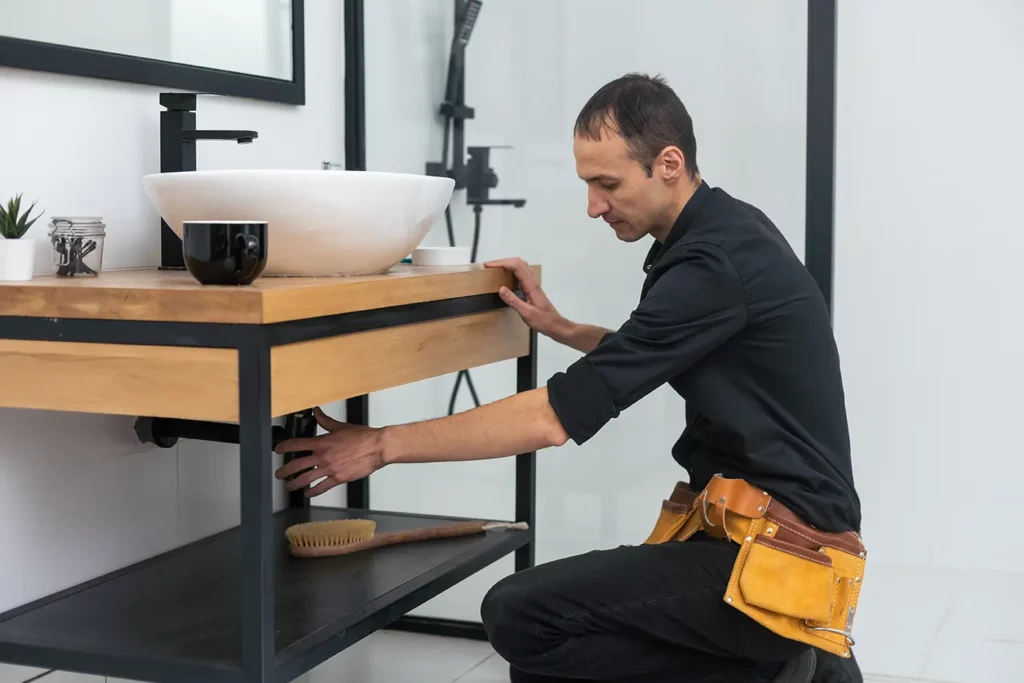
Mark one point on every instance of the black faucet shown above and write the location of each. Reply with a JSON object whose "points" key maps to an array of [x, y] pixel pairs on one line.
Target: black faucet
{"points": [[178, 136]]}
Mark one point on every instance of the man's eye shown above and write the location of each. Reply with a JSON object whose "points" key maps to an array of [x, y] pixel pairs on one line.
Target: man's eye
{"points": [[609, 186]]}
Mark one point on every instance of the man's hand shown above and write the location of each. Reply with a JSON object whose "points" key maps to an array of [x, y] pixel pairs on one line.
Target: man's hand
{"points": [[537, 311], [346, 453], [521, 423], [540, 314]]}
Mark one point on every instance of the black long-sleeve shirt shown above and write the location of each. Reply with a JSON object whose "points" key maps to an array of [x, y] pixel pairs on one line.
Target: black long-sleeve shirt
{"points": [[731, 319]]}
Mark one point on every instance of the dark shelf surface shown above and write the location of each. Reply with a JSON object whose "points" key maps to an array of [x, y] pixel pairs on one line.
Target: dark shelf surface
{"points": [[177, 616]]}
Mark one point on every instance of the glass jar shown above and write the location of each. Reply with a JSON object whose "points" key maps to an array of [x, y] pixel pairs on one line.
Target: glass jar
{"points": [[77, 245]]}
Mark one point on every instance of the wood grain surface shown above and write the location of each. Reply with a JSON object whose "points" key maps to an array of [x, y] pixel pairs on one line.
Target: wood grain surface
{"points": [[321, 371], [114, 379], [152, 294], [202, 383]]}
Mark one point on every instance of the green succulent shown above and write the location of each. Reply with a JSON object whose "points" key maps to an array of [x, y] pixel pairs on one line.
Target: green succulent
{"points": [[12, 223]]}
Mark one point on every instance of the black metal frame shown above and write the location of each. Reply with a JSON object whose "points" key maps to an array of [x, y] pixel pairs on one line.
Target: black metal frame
{"points": [[357, 409], [819, 237], [255, 434], [40, 56]]}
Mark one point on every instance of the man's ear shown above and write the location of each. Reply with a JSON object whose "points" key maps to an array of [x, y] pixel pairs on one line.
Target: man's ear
{"points": [[671, 163]]}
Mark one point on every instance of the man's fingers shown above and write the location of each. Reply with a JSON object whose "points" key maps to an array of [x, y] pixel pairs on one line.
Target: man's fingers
{"points": [[325, 421], [306, 443], [323, 487], [506, 263], [509, 297], [295, 466], [501, 263], [520, 268], [304, 479]]}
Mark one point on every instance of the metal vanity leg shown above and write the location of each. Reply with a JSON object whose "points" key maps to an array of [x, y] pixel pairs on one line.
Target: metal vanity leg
{"points": [[257, 479], [357, 412], [299, 425], [526, 463]]}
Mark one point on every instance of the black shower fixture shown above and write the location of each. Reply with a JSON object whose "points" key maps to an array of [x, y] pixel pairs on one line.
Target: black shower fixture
{"points": [[475, 175]]}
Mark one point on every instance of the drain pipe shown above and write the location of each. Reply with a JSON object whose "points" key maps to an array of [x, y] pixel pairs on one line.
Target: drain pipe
{"points": [[164, 432]]}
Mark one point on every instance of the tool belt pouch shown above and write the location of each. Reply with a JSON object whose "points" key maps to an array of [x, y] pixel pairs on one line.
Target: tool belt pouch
{"points": [[793, 582], [674, 520], [801, 594], [800, 583]]}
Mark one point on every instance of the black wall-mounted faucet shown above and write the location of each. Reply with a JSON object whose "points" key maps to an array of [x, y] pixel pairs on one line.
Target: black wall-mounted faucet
{"points": [[178, 136]]}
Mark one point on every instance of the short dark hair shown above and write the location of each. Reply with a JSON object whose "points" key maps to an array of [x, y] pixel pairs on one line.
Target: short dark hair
{"points": [[647, 113]]}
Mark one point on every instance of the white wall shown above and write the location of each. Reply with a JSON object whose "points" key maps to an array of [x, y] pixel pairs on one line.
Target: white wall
{"points": [[532, 64], [89, 500], [929, 242]]}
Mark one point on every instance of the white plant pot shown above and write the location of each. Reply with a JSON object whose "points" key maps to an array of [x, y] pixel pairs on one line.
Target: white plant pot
{"points": [[17, 259]]}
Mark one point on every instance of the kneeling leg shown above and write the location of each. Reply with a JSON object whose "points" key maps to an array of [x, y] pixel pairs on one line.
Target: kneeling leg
{"points": [[633, 613]]}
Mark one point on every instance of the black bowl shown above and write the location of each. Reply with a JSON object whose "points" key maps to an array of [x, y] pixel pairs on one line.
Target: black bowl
{"points": [[225, 252]]}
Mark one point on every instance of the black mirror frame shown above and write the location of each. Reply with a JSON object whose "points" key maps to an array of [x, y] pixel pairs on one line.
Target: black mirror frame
{"points": [[38, 56]]}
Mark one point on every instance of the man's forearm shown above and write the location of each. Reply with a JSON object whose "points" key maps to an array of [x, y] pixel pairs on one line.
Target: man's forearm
{"points": [[519, 424], [583, 338]]}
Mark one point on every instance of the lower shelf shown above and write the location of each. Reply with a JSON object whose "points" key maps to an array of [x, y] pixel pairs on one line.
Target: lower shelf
{"points": [[176, 617]]}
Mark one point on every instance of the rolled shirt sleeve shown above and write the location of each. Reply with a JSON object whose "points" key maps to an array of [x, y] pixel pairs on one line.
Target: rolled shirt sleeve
{"points": [[695, 304]]}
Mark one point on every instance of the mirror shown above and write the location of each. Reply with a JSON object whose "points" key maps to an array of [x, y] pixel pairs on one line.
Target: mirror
{"points": [[246, 48]]}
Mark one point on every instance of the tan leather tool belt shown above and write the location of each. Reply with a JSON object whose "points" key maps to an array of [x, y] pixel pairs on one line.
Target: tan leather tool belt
{"points": [[797, 581]]}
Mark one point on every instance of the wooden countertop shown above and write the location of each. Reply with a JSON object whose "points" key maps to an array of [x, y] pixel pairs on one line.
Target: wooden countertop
{"points": [[128, 379], [156, 295]]}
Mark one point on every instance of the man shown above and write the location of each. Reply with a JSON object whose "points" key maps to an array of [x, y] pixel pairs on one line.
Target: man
{"points": [[732, 321]]}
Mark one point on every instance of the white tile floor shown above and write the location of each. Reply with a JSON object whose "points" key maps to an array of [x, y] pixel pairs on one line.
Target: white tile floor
{"points": [[395, 657], [384, 657]]}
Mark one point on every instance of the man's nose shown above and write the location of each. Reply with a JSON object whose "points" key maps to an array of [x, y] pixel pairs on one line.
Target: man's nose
{"points": [[597, 206]]}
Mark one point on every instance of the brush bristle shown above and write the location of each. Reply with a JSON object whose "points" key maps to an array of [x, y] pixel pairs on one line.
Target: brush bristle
{"points": [[330, 533]]}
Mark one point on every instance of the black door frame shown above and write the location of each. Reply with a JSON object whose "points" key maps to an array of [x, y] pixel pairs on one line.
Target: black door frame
{"points": [[819, 221]]}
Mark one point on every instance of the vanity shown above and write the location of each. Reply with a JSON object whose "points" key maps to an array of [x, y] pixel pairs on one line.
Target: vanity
{"points": [[154, 344]]}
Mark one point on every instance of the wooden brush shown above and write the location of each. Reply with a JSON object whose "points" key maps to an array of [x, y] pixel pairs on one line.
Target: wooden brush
{"points": [[344, 536]]}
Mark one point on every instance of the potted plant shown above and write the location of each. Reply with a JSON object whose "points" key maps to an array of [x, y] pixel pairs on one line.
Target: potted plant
{"points": [[17, 255]]}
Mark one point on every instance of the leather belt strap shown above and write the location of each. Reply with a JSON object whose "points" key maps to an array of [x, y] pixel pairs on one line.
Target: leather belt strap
{"points": [[738, 497]]}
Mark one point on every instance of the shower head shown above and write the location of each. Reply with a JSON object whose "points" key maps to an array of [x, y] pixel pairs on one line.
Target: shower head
{"points": [[470, 11], [466, 13]]}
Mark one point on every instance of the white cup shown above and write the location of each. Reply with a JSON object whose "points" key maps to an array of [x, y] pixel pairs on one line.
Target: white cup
{"points": [[441, 256]]}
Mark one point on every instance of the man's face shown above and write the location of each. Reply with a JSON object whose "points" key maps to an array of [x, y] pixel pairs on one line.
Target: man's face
{"points": [[619, 189]]}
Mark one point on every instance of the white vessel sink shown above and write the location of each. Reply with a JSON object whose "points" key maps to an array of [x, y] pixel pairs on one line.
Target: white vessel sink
{"points": [[321, 223]]}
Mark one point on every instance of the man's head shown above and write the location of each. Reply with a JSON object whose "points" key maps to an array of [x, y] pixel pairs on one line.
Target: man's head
{"points": [[635, 148]]}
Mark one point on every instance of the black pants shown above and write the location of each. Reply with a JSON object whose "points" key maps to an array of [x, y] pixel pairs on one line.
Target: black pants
{"points": [[633, 614]]}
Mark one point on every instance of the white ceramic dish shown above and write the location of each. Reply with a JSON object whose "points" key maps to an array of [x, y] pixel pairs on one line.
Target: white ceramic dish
{"points": [[441, 256], [321, 223]]}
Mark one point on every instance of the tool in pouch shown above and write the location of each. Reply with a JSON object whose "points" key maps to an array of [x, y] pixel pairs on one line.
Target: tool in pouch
{"points": [[799, 582]]}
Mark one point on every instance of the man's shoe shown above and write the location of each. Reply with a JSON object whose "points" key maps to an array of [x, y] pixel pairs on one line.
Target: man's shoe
{"points": [[799, 669]]}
